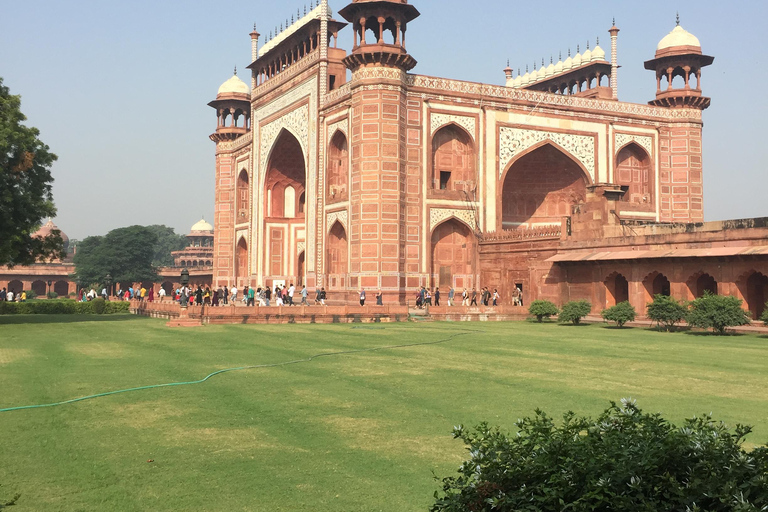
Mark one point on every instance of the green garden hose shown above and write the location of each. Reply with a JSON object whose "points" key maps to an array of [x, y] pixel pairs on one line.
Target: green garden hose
{"points": [[239, 368]]}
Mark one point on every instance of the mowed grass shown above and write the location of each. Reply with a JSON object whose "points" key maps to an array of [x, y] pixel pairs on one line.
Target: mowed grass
{"points": [[357, 432]]}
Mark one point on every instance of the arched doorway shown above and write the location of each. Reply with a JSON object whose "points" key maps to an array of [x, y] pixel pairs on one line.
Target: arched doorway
{"points": [[242, 261], [338, 169], [701, 283], [634, 171], [243, 202], [453, 161], [541, 187], [284, 183], [656, 283], [756, 293], [617, 289], [15, 286], [39, 287], [300, 270], [453, 255], [336, 255], [168, 287], [61, 288]]}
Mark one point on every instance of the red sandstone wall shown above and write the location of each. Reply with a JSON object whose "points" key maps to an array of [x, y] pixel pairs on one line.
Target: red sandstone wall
{"points": [[680, 174], [224, 228]]}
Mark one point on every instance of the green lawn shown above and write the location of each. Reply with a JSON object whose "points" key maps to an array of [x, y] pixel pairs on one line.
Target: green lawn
{"points": [[355, 432]]}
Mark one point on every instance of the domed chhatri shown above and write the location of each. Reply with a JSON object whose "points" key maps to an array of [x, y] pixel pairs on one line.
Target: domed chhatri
{"points": [[677, 38], [201, 226], [46, 230], [234, 86]]}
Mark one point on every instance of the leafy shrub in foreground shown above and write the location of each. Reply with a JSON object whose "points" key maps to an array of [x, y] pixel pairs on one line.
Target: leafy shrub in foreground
{"points": [[764, 316], [624, 460], [99, 305], [718, 312], [666, 311], [542, 309], [621, 313], [574, 311]]}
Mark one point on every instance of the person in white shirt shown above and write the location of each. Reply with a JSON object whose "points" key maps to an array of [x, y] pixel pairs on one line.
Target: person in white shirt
{"points": [[9, 297], [161, 293], [291, 291], [234, 294]]}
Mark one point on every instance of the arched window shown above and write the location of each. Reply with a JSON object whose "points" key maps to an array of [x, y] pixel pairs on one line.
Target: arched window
{"points": [[243, 204], [338, 168], [634, 171], [337, 250], [617, 288], [453, 255], [289, 203], [453, 161]]}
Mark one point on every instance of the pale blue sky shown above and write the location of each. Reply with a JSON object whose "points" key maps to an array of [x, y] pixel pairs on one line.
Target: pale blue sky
{"points": [[119, 89]]}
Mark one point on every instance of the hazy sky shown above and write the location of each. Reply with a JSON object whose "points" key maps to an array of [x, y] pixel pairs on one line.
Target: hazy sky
{"points": [[119, 90]]}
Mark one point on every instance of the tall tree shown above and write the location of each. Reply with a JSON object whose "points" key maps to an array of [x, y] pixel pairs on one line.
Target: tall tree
{"points": [[25, 188], [167, 242], [124, 253]]}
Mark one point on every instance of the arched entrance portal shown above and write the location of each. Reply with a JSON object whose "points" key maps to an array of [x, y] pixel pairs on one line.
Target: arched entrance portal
{"points": [[15, 286], [617, 288], [39, 288], [453, 255], [756, 293], [336, 256], [242, 261], [284, 220], [540, 188]]}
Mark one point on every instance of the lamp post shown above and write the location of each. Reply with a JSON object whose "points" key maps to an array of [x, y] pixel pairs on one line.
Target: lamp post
{"points": [[49, 289], [184, 280], [108, 284]]}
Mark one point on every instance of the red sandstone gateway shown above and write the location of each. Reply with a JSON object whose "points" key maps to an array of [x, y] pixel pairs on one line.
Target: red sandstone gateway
{"points": [[394, 181]]}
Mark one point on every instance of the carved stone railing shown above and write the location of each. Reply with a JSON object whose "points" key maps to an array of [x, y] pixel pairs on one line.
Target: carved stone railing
{"points": [[337, 94], [443, 85], [511, 235], [238, 143], [288, 73]]}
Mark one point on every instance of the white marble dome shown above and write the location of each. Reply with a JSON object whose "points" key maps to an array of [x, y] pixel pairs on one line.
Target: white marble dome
{"points": [[234, 86], [678, 37], [201, 225]]}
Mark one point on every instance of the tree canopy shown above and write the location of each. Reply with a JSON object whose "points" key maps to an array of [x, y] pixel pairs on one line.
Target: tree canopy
{"points": [[124, 253], [25, 188], [167, 242]]}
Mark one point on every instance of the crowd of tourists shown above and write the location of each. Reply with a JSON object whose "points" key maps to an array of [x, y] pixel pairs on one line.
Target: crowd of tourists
{"points": [[10, 296]]}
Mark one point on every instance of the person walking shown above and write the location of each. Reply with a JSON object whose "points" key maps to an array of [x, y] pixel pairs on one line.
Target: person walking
{"points": [[450, 296], [150, 294], [465, 298], [251, 296], [437, 296], [291, 292], [428, 297], [379, 299], [322, 296], [317, 295], [474, 298], [233, 298], [267, 294], [495, 296], [362, 297], [304, 294]]}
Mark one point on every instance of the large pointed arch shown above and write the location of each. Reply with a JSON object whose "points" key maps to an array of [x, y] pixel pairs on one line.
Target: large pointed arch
{"points": [[241, 260], [540, 186]]}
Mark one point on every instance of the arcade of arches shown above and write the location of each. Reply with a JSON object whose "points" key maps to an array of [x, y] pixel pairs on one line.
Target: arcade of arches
{"points": [[540, 188]]}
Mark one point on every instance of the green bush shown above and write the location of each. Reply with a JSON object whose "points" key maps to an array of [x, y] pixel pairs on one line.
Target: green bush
{"points": [[542, 309], [621, 313], [666, 311], [99, 305], [574, 311], [52, 295], [31, 294], [764, 316], [624, 460], [718, 312], [61, 307]]}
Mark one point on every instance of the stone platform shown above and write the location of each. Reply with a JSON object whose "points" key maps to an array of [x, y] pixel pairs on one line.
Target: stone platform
{"points": [[330, 314]]}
